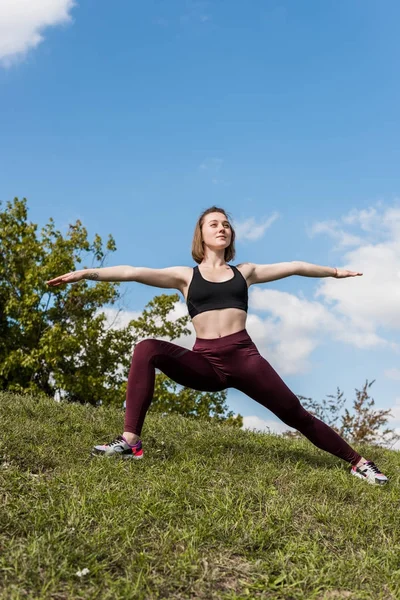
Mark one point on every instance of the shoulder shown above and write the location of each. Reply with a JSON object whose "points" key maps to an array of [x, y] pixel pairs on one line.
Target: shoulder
{"points": [[168, 277], [185, 274], [246, 269]]}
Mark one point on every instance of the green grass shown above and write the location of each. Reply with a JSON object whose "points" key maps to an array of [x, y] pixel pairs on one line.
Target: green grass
{"points": [[210, 513]]}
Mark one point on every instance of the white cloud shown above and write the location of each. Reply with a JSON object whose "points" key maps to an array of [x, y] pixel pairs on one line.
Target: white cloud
{"points": [[22, 23], [395, 411], [186, 341], [371, 301], [362, 312], [252, 230], [291, 331], [332, 229], [396, 445], [255, 423], [117, 319], [395, 420], [365, 218], [265, 425], [295, 327]]}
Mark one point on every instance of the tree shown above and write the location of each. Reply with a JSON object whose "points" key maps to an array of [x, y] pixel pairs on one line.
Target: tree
{"points": [[192, 403], [51, 335], [57, 340], [364, 424]]}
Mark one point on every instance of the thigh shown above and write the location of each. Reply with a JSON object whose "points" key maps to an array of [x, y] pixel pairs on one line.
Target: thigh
{"points": [[184, 366], [259, 380]]}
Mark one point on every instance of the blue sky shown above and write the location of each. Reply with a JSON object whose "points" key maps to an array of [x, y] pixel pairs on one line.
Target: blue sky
{"points": [[134, 117]]}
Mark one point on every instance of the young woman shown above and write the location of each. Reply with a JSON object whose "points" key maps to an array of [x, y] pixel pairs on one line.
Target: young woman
{"points": [[223, 355]]}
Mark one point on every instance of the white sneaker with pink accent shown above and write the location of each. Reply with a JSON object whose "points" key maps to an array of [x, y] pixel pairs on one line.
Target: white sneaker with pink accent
{"points": [[370, 472]]}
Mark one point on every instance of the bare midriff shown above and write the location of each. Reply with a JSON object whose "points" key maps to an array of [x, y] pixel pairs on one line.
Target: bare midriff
{"points": [[218, 323]]}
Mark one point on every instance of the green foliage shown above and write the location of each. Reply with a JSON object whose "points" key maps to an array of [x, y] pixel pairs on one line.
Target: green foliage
{"points": [[54, 339], [191, 403], [154, 322], [363, 424], [57, 340], [210, 513], [328, 409]]}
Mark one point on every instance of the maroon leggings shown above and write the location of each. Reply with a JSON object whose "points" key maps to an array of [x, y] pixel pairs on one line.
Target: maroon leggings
{"points": [[232, 361]]}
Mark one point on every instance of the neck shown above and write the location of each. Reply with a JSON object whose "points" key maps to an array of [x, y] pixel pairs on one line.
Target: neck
{"points": [[213, 259]]}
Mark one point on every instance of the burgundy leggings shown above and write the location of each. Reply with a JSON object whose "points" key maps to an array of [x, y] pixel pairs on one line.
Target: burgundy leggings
{"points": [[232, 361]]}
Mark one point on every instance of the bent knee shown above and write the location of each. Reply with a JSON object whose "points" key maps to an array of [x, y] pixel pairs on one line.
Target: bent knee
{"points": [[147, 348], [298, 417]]}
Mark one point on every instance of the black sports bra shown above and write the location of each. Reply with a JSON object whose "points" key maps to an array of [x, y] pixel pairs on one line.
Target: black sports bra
{"points": [[206, 295]]}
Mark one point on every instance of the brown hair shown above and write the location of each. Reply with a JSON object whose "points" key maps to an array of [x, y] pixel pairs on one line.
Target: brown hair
{"points": [[198, 244]]}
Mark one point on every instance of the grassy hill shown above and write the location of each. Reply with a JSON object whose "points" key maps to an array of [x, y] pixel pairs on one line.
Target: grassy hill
{"points": [[210, 513]]}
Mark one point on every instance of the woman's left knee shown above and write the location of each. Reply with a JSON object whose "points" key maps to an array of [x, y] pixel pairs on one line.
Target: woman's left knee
{"points": [[298, 417]]}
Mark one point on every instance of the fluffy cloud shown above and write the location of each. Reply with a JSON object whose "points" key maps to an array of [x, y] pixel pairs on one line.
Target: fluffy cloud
{"points": [[362, 312], [265, 425], [295, 327], [118, 319], [290, 332], [395, 410], [374, 301], [253, 230], [332, 228], [22, 23], [395, 421]]}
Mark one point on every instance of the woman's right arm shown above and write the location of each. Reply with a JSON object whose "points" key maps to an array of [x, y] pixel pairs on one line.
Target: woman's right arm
{"points": [[170, 277]]}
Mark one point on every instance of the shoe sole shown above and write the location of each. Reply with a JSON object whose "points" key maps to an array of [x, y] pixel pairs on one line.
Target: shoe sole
{"points": [[376, 482], [123, 456]]}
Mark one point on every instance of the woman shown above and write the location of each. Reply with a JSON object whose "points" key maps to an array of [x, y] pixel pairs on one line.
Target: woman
{"points": [[223, 355]]}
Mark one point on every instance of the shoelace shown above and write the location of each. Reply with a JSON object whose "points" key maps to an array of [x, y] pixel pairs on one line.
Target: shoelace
{"points": [[115, 442], [372, 466]]}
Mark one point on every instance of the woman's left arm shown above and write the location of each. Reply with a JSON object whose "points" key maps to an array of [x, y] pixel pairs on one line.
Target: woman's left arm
{"points": [[272, 272]]}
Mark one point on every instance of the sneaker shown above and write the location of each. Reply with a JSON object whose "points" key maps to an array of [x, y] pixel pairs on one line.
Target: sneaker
{"points": [[369, 472], [119, 447]]}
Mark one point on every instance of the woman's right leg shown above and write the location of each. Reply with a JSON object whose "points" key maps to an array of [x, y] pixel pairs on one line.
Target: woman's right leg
{"points": [[186, 367]]}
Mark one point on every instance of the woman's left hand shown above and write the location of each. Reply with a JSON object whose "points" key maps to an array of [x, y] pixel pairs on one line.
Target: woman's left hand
{"points": [[342, 273]]}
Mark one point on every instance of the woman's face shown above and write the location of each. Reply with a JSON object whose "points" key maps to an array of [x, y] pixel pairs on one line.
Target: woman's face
{"points": [[216, 231]]}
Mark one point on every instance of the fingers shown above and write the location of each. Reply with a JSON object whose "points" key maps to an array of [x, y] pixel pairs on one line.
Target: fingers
{"points": [[342, 273], [350, 274], [68, 277], [56, 281]]}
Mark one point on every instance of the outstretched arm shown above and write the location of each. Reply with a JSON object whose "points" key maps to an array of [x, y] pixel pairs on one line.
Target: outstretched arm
{"points": [[170, 277], [272, 272]]}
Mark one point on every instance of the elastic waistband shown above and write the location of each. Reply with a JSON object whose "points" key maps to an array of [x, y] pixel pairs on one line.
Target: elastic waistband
{"points": [[239, 336]]}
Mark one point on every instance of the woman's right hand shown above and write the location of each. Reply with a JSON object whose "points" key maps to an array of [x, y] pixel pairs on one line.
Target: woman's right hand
{"points": [[67, 278]]}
